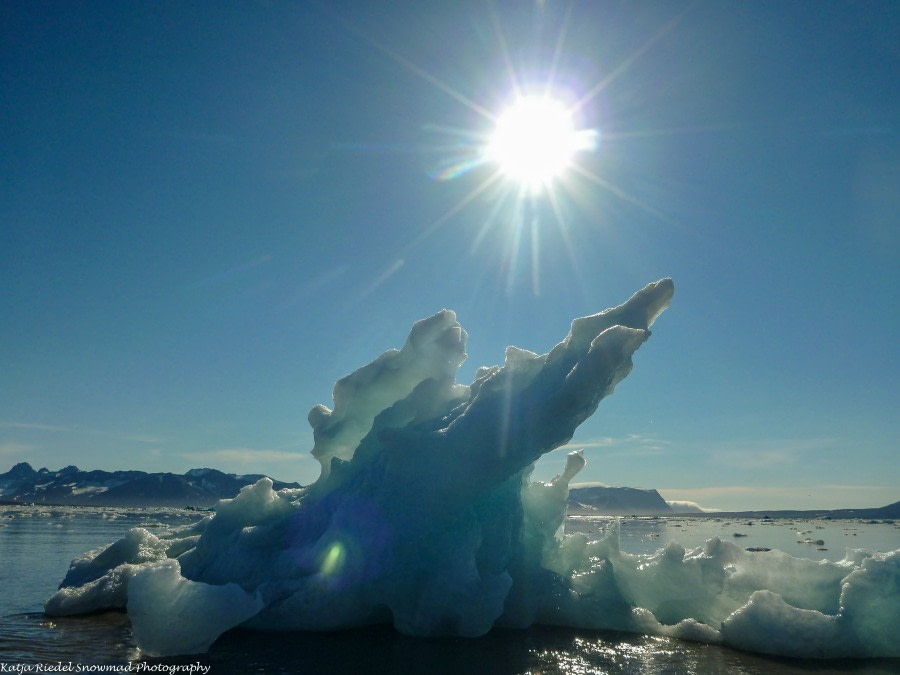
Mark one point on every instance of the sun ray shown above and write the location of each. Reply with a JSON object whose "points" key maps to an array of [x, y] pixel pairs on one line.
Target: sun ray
{"points": [[630, 59], [499, 205], [564, 232], [452, 211], [557, 50], [504, 50], [534, 155], [412, 67], [621, 194], [440, 84], [515, 243], [468, 134], [678, 131], [535, 254]]}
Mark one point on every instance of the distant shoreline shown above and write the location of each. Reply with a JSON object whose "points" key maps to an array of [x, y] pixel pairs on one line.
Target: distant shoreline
{"points": [[889, 512], [202, 488], [885, 513]]}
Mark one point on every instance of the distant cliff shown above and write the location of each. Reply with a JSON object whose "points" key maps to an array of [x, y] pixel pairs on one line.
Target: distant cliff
{"points": [[616, 501], [71, 486]]}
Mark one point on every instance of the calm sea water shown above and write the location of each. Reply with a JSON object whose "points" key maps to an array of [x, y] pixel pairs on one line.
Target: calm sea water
{"points": [[37, 543]]}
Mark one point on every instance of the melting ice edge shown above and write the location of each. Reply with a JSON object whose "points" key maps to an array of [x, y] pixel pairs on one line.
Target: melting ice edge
{"points": [[425, 517]]}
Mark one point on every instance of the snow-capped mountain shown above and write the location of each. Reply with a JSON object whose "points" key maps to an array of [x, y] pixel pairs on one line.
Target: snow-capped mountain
{"points": [[198, 487]]}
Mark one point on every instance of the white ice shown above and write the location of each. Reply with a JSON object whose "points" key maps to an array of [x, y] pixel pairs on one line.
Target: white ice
{"points": [[424, 517]]}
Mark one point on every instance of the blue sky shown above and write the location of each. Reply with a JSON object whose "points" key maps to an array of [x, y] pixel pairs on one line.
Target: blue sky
{"points": [[210, 215]]}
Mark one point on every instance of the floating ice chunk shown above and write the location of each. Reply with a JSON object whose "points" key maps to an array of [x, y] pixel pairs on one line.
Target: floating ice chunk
{"points": [[870, 604], [769, 625], [106, 592], [686, 629], [172, 615], [136, 547], [98, 580]]}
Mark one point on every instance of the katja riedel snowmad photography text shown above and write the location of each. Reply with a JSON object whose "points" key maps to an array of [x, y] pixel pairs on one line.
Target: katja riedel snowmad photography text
{"points": [[130, 667]]}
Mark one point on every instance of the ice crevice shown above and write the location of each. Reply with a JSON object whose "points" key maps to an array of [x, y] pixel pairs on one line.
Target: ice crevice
{"points": [[424, 516]]}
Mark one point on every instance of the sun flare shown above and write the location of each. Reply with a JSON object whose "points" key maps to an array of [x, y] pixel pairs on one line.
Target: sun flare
{"points": [[535, 141]]}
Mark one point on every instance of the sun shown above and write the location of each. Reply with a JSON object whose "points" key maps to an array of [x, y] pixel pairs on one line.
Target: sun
{"points": [[531, 157], [535, 141]]}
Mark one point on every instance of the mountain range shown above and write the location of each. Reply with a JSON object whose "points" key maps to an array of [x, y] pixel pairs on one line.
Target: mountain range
{"points": [[71, 486], [202, 488]]}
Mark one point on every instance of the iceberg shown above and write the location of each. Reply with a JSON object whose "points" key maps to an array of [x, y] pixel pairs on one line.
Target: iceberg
{"points": [[425, 517]]}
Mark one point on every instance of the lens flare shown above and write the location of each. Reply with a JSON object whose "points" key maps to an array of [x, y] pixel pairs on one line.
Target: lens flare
{"points": [[334, 559]]}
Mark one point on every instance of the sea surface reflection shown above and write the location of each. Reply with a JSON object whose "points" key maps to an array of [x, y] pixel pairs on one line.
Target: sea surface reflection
{"points": [[37, 543]]}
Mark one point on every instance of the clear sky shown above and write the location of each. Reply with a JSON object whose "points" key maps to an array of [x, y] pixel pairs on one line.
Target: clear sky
{"points": [[209, 212]]}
